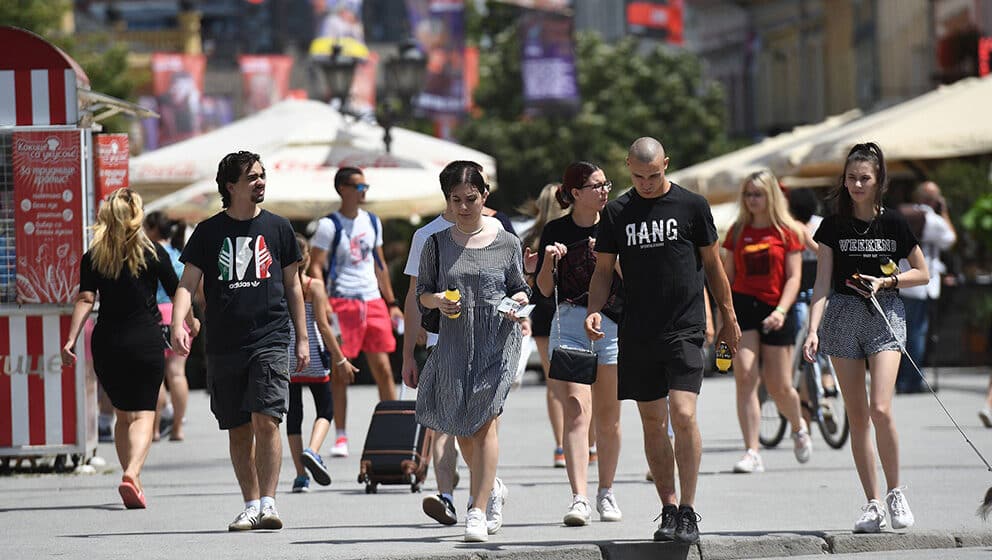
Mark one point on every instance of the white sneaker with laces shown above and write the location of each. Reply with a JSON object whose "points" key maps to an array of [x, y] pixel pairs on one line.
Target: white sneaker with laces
{"points": [[750, 463], [475, 526], [245, 521], [340, 448], [899, 511], [269, 518], [803, 445], [872, 518], [579, 513], [494, 506], [606, 505]]}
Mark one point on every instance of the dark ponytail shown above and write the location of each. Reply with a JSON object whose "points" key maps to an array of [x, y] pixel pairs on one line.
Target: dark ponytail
{"points": [[871, 153], [576, 175]]}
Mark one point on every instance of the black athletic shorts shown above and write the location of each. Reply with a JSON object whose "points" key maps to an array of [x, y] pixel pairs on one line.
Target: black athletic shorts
{"points": [[648, 368], [751, 311], [242, 383]]}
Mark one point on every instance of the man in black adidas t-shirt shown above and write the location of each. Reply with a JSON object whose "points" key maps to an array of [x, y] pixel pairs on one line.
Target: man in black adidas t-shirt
{"points": [[665, 239]]}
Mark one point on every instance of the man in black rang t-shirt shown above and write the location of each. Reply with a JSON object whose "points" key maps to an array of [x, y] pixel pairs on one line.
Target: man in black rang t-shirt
{"points": [[665, 239], [247, 259]]}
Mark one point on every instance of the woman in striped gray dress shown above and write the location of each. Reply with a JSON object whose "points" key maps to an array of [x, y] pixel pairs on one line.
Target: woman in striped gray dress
{"points": [[466, 379]]}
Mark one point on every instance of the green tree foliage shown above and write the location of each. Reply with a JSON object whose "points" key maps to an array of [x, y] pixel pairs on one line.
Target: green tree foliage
{"points": [[627, 91], [103, 60]]}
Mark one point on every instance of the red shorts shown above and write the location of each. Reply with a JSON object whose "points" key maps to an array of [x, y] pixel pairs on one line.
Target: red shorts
{"points": [[365, 326]]}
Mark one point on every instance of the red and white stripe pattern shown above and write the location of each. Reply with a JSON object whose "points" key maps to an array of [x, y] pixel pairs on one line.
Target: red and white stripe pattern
{"points": [[39, 398], [34, 97]]}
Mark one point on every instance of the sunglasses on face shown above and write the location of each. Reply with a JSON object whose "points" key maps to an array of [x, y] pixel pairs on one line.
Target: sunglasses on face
{"points": [[361, 187]]}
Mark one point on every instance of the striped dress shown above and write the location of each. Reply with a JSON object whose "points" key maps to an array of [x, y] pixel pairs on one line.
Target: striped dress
{"points": [[467, 377], [315, 372]]}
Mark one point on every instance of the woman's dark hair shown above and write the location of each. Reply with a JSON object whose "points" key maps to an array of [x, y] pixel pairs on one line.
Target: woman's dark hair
{"points": [[229, 170], [576, 175], [803, 204], [462, 172], [871, 153], [159, 223]]}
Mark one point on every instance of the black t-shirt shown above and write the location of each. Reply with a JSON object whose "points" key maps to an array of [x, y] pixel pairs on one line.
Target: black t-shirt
{"points": [[575, 270], [657, 241], [130, 300], [860, 246], [242, 262]]}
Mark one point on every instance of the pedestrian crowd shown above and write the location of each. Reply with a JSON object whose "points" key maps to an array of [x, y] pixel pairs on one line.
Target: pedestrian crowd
{"points": [[622, 292]]}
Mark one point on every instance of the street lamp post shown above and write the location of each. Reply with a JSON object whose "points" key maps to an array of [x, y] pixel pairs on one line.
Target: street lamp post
{"points": [[338, 70], [405, 74]]}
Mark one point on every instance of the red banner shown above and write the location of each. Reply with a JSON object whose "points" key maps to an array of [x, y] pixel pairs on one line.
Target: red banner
{"points": [[984, 53], [265, 80], [48, 215], [112, 154], [177, 82]]}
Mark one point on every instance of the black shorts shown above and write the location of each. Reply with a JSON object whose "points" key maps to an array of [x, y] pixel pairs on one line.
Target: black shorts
{"points": [[647, 369], [245, 382], [751, 311]]}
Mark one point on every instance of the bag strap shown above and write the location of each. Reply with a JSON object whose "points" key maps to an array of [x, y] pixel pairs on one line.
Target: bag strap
{"points": [[332, 253], [554, 278]]}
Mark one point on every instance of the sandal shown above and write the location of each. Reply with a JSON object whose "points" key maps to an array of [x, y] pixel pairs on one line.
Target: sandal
{"points": [[131, 496]]}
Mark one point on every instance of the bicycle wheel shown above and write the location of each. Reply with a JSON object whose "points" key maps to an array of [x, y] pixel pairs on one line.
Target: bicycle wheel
{"points": [[833, 419], [772, 427]]}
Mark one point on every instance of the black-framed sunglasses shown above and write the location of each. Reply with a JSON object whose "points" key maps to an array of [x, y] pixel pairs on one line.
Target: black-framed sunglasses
{"points": [[605, 186]]}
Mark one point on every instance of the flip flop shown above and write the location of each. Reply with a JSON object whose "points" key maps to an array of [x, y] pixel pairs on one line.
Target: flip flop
{"points": [[131, 496]]}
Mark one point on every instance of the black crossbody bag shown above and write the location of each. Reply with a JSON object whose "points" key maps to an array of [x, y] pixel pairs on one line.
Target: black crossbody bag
{"points": [[576, 365], [430, 319]]}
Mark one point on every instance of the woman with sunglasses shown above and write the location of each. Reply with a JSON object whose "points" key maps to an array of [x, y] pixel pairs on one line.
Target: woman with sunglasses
{"points": [[467, 377], [568, 247], [764, 265]]}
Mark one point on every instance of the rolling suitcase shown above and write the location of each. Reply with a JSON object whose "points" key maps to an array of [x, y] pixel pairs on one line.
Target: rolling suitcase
{"points": [[397, 448]]}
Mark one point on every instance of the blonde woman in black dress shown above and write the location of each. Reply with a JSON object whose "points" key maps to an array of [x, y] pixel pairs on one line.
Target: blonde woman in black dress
{"points": [[124, 268]]}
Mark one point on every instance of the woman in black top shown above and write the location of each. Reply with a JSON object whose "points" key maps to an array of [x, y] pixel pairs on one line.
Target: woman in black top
{"points": [[124, 267], [568, 243], [853, 245]]}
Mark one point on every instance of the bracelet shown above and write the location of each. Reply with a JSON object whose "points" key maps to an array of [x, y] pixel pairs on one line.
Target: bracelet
{"points": [[343, 360], [395, 303], [780, 310], [895, 281]]}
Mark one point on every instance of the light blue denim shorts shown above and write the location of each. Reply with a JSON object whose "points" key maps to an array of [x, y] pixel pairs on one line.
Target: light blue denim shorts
{"points": [[573, 333]]}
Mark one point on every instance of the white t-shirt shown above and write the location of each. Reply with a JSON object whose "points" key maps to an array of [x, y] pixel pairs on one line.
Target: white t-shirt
{"points": [[937, 236], [354, 259], [417, 246]]}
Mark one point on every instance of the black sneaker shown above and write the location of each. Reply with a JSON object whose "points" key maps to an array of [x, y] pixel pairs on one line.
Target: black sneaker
{"points": [[686, 528], [666, 529], [440, 509]]}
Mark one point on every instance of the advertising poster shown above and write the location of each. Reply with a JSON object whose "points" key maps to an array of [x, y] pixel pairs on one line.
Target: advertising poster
{"points": [[48, 215], [439, 29], [548, 66], [111, 162], [177, 83], [264, 79], [658, 19]]}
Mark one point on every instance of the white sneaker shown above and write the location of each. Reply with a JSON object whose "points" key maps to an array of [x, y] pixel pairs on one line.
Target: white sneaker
{"points": [[749, 463], [269, 518], [245, 521], [475, 526], [803, 445], [579, 513], [340, 448], [899, 511], [606, 505], [985, 415], [872, 518], [494, 506]]}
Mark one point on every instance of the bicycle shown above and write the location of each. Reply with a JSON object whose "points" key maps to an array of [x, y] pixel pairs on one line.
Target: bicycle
{"points": [[822, 405]]}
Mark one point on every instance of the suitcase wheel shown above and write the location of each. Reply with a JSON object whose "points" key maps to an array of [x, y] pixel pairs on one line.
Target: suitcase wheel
{"points": [[414, 488], [371, 488]]}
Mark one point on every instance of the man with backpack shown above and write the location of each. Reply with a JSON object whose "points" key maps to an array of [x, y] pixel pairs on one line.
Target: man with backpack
{"points": [[347, 252]]}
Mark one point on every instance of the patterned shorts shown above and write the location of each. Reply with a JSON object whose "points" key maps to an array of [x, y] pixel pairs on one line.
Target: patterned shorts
{"points": [[853, 329]]}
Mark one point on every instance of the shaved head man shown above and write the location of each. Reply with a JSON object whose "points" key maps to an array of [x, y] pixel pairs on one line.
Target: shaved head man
{"points": [[666, 243]]}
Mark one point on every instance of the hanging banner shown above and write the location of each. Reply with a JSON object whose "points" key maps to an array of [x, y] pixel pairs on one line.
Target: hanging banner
{"points": [[48, 215], [984, 53], [177, 83], [111, 162], [439, 29], [548, 66], [264, 79], [660, 19]]}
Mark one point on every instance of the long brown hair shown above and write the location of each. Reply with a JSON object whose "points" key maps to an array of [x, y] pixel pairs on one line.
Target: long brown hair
{"points": [[118, 236], [871, 153]]}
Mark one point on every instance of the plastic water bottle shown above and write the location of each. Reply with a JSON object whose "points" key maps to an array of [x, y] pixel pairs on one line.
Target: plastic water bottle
{"points": [[724, 359], [888, 267], [452, 294]]}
